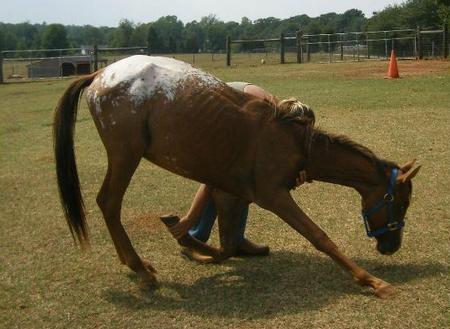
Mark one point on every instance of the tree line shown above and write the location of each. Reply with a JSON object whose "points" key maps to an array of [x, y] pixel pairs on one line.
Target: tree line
{"points": [[168, 34]]}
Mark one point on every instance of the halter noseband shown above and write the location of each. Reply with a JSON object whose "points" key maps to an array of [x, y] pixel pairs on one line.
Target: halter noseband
{"points": [[387, 201]]}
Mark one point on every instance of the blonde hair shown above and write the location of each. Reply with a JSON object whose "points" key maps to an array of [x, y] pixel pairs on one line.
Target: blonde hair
{"points": [[291, 108]]}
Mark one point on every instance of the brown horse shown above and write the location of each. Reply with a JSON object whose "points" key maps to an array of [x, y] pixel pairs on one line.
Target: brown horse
{"points": [[192, 124]]}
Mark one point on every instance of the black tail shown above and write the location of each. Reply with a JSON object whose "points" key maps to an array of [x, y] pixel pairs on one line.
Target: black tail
{"points": [[66, 168]]}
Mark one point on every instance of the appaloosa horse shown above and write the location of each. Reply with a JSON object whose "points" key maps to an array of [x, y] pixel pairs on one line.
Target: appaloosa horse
{"points": [[192, 124]]}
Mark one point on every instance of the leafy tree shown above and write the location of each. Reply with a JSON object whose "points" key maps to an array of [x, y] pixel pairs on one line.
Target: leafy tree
{"points": [[2, 39], [139, 35], [122, 36], [443, 11], [169, 28], [169, 34], [54, 36], [194, 37], [92, 35], [154, 40]]}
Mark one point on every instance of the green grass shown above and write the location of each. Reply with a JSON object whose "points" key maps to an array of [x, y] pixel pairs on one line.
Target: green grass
{"points": [[47, 283]]}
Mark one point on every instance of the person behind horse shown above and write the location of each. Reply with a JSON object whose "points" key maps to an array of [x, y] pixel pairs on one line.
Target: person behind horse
{"points": [[199, 220]]}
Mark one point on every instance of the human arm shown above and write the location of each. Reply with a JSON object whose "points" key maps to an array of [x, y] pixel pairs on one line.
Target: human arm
{"points": [[190, 219]]}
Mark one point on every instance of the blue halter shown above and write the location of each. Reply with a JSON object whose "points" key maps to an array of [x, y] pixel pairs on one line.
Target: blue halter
{"points": [[387, 201]]}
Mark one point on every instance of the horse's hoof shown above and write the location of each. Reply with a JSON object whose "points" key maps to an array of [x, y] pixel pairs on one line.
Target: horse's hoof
{"points": [[147, 281], [149, 266], [384, 291]]}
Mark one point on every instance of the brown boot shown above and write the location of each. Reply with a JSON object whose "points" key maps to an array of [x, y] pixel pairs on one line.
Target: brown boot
{"points": [[248, 248], [195, 256]]}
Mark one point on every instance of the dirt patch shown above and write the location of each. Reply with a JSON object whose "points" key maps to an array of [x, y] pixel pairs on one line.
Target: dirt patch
{"points": [[424, 67], [406, 68], [147, 221]]}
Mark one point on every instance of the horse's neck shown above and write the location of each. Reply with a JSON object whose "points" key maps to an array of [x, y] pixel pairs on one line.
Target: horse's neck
{"points": [[334, 162]]}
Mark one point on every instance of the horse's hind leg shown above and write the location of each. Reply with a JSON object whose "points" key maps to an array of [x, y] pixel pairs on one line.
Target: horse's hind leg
{"points": [[121, 167]]}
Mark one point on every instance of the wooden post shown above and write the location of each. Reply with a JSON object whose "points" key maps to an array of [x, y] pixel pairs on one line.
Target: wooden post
{"points": [[308, 50], [282, 48], [329, 49], [367, 45], [385, 45], [342, 48], [445, 41], [149, 48], [95, 58], [299, 47], [1, 67], [419, 43], [228, 48], [357, 46]]}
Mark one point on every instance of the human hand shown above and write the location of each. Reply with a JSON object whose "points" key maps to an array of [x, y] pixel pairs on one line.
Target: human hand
{"points": [[181, 228]]}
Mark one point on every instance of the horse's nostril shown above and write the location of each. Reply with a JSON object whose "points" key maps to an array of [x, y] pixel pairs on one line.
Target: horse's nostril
{"points": [[387, 248]]}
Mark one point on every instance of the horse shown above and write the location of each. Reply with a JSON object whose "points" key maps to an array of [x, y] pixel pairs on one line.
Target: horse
{"points": [[192, 124]]}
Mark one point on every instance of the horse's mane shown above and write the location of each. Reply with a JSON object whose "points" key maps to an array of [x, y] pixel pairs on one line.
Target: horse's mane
{"points": [[318, 135], [293, 111]]}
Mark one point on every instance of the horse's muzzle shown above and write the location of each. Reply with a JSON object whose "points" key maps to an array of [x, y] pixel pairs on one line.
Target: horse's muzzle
{"points": [[389, 243]]}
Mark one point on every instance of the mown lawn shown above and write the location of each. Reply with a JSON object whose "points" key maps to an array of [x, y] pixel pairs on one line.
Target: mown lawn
{"points": [[47, 283]]}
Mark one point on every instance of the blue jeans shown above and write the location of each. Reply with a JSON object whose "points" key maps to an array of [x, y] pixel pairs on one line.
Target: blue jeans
{"points": [[202, 229]]}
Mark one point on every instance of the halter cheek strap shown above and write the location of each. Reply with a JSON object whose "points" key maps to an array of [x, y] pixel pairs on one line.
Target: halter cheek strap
{"points": [[387, 201]]}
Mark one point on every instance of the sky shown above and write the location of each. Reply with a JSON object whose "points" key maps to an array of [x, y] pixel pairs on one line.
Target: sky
{"points": [[110, 12]]}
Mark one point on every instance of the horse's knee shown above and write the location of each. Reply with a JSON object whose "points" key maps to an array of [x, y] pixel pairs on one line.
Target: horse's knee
{"points": [[323, 243], [109, 206]]}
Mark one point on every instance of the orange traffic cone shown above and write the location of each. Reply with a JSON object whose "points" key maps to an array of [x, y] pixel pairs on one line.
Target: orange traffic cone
{"points": [[393, 69]]}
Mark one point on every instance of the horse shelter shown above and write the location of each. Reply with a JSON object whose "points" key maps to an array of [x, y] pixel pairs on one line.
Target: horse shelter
{"points": [[60, 66]]}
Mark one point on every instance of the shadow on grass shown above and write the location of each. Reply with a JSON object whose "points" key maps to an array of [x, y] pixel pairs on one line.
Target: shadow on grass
{"points": [[284, 283]]}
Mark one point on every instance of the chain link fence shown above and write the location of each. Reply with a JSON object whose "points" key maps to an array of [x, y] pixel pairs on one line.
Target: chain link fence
{"points": [[340, 47]]}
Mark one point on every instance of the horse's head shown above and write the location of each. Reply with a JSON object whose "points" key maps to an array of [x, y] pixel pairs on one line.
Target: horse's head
{"points": [[384, 209]]}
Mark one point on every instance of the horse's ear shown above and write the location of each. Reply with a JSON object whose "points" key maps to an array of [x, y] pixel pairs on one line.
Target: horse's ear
{"points": [[406, 177], [407, 166]]}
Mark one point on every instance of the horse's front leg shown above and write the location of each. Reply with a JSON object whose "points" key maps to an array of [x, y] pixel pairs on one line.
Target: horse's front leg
{"points": [[285, 207]]}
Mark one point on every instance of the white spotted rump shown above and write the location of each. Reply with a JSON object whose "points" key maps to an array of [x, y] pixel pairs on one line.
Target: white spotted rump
{"points": [[145, 76]]}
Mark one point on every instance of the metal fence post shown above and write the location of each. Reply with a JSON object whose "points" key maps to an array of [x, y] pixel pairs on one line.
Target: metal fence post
{"points": [[95, 58], [299, 47], [228, 48], [282, 48], [445, 45], [1, 67]]}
